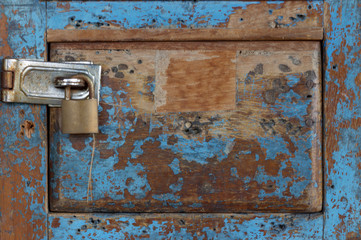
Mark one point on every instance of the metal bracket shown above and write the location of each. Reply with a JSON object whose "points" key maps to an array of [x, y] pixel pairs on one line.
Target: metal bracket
{"points": [[33, 81]]}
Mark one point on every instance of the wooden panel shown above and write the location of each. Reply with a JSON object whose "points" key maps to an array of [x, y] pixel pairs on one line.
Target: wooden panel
{"points": [[342, 120], [185, 226], [23, 131], [262, 156], [185, 21]]}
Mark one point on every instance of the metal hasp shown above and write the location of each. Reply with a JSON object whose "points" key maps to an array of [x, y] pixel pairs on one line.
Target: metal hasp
{"points": [[33, 81]]}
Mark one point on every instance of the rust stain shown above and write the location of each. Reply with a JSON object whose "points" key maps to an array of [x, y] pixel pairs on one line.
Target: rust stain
{"points": [[5, 49], [64, 6], [55, 223]]}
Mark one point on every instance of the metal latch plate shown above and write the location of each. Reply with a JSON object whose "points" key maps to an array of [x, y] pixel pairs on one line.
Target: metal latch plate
{"points": [[33, 81]]}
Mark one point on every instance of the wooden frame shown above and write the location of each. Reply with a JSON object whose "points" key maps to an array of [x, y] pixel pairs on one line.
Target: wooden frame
{"points": [[23, 156]]}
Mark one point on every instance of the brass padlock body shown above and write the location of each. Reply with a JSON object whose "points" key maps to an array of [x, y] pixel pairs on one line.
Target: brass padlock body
{"points": [[79, 116]]}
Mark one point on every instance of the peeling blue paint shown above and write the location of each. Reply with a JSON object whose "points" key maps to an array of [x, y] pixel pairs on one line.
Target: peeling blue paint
{"points": [[176, 187], [234, 172], [345, 158], [175, 166], [168, 199], [343, 175], [137, 147], [299, 160], [25, 29], [274, 146], [272, 227], [158, 14], [198, 151], [196, 205]]}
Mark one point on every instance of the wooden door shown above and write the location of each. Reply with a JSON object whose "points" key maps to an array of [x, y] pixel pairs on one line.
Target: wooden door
{"points": [[206, 130]]}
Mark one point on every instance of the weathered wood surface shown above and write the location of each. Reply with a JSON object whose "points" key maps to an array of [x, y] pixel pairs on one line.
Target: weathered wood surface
{"points": [[185, 21], [342, 120], [185, 226], [23, 131], [342, 202], [163, 148]]}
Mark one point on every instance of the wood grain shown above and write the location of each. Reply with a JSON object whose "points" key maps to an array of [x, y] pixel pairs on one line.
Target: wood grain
{"points": [[111, 35], [191, 80], [262, 156]]}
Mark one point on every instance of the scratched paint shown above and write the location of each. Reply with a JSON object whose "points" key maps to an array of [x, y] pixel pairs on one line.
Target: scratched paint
{"points": [[163, 14], [342, 114], [141, 14], [199, 151], [207, 226], [23, 148]]}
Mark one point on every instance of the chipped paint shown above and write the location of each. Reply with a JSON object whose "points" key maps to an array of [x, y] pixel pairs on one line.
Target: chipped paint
{"points": [[128, 15], [175, 15], [186, 226], [342, 205], [23, 130], [153, 151], [342, 118], [199, 151]]}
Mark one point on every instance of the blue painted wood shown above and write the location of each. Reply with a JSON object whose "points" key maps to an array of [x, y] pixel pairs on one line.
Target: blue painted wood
{"points": [[135, 154], [342, 120], [262, 226], [342, 162], [23, 130], [185, 226], [157, 14]]}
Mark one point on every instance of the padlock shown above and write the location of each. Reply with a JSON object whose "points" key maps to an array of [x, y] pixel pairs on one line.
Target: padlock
{"points": [[78, 116]]}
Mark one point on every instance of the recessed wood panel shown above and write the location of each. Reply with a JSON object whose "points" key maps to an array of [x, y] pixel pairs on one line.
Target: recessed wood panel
{"points": [[260, 152]]}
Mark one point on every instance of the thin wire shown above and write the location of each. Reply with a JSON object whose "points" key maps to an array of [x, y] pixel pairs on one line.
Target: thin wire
{"points": [[90, 186]]}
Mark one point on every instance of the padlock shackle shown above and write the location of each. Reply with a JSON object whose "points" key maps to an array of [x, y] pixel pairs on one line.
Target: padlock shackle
{"points": [[89, 82]]}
